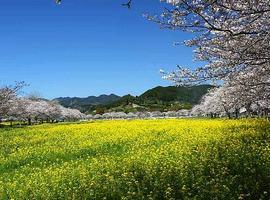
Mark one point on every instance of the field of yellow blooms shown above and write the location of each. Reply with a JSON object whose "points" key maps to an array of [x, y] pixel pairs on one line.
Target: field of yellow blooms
{"points": [[137, 159]]}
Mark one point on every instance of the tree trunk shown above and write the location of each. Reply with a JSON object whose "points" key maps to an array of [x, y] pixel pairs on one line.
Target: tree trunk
{"points": [[29, 121], [236, 113], [227, 112], [248, 110]]}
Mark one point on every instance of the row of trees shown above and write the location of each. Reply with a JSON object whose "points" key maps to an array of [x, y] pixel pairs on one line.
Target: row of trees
{"points": [[220, 101], [32, 110], [233, 101], [140, 115]]}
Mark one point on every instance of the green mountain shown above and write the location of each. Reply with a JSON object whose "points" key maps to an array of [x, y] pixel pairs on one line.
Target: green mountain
{"points": [[84, 104], [156, 99], [190, 95]]}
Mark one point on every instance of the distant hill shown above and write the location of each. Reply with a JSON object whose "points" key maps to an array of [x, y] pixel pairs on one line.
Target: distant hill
{"points": [[182, 94], [158, 98], [85, 103]]}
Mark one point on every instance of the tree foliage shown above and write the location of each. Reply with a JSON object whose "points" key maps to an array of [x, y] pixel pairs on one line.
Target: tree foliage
{"points": [[232, 37]]}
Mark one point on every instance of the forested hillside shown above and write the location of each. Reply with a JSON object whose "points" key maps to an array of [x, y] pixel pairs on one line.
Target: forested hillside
{"points": [[158, 98]]}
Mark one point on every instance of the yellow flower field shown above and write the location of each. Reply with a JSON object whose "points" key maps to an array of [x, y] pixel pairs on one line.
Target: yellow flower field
{"points": [[138, 159]]}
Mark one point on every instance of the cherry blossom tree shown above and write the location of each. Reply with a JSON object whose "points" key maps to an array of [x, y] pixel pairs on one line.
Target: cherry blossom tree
{"points": [[68, 114], [41, 110], [233, 99], [17, 110], [233, 39], [36, 110], [230, 36], [8, 94]]}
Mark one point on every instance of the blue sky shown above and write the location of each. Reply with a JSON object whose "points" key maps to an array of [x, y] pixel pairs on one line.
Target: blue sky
{"points": [[86, 47]]}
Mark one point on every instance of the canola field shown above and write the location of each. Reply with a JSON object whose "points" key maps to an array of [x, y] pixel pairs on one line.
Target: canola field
{"points": [[138, 159]]}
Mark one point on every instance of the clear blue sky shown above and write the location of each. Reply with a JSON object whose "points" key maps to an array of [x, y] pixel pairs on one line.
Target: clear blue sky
{"points": [[86, 47]]}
